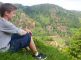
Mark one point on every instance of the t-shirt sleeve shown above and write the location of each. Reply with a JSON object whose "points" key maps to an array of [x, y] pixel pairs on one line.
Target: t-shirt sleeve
{"points": [[8, 27]]}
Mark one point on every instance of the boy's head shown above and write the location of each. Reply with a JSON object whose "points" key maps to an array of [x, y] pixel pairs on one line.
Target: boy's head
{"points": [[7, 10]]}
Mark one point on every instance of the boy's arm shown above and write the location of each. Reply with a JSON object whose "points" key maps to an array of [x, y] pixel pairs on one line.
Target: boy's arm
{"points": [[8, 27]]}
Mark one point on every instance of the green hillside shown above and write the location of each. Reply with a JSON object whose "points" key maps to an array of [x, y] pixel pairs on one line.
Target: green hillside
{"points": [[52, 19]]}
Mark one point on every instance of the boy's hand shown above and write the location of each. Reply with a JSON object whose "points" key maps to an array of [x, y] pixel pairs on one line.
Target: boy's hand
{"points": [[28, 31], [25, 31], [22, 32]]}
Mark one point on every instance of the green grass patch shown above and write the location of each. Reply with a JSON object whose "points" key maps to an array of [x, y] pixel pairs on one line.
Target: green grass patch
{"points": [[51, 52]]}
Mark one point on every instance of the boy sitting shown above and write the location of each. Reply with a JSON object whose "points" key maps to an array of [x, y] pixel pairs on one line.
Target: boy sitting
{"points": [[13, 38]]}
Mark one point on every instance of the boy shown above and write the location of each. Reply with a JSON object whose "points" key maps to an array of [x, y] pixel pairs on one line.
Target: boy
{"points": [[13, 38]]}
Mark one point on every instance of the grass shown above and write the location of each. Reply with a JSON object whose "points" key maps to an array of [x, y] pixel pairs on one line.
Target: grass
{"points": [[51, 52]]}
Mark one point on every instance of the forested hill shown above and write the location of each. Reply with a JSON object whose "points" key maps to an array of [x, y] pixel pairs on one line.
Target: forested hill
{"points": [[48, 19], [52, 19]]}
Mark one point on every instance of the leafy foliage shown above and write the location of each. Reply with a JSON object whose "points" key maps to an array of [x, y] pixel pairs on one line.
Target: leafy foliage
{"points": [[75, 45]]}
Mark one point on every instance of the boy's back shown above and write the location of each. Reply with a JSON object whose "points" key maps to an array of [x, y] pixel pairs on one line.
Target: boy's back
{"points": [[6, 30]]}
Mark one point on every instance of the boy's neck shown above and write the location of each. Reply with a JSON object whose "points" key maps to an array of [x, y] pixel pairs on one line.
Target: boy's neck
{"points": [[6, 18]]}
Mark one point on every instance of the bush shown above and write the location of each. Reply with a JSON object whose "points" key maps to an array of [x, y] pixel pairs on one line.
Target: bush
{"points": [[75, 45]]}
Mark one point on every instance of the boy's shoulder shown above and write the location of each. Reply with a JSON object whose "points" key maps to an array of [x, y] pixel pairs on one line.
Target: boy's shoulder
{"points": [[5, 22]]}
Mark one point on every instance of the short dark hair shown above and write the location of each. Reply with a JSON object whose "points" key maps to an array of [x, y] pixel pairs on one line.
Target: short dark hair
{"points": [[6, 7]]}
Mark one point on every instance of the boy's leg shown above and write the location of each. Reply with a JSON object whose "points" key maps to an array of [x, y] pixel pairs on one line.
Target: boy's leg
{"points": [[38, 55], [17, 42], [33, 46]]}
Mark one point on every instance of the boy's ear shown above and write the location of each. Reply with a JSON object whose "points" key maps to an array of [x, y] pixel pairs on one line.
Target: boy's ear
{"points": [[6, 13]]}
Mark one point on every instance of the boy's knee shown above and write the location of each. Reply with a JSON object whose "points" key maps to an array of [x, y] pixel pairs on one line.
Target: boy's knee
{"points": [[29, 33]]}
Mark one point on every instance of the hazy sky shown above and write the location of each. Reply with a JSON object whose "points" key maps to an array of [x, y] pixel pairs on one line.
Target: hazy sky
{"points": [[67, 4]]}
